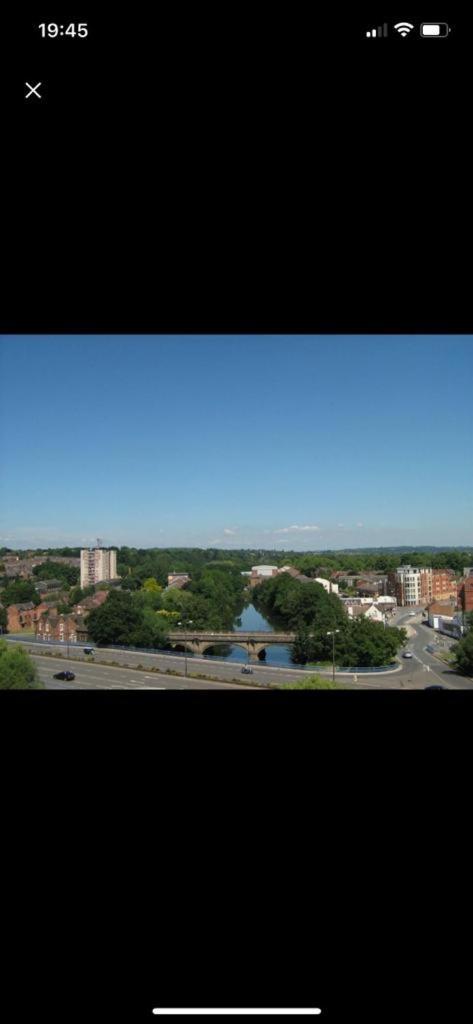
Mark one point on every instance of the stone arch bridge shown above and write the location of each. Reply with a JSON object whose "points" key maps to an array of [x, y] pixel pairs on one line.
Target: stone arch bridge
{"points": [[199, 642]]}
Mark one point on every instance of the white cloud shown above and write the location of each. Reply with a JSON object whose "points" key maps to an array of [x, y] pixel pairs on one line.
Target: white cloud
{"points": [[297, 529], [340, 526], [359, 524], [229, 532]]}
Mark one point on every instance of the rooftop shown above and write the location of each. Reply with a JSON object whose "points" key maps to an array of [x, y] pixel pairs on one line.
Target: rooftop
{"points": [[439, 608]]}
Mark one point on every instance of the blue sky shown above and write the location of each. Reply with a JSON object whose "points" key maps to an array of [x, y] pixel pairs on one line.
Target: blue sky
{"points": [[278, 442]]}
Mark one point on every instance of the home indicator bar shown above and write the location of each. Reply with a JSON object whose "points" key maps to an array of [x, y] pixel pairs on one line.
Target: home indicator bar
{"points": [[237, 1012]]}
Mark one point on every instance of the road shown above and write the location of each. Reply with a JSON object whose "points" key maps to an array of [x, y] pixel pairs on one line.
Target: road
{"points": [[424, 669], [416, 673], [103, 677]]}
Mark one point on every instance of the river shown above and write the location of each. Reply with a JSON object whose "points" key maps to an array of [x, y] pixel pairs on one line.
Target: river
{"points": [[252, 619]]}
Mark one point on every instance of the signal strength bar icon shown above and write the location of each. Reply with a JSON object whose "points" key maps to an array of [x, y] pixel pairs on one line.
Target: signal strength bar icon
{"points": [[379, 32]]}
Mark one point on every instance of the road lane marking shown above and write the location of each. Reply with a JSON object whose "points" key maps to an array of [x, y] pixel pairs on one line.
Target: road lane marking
{"points": [[429, 667]]}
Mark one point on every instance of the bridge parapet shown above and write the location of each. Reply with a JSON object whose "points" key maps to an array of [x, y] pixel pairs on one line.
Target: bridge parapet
{"points": [[252, 642]]}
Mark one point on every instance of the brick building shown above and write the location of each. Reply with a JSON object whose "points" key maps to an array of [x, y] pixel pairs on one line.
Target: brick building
{"points": [[20, 616], [65, 628], [22, 566], [43, 586], [417, 586], [93, 601], [465, 594], [260, 573], [443, 585], [178, 580], [23, 617]]}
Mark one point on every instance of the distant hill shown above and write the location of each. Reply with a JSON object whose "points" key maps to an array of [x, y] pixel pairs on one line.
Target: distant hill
{"points": [[401, 548]]}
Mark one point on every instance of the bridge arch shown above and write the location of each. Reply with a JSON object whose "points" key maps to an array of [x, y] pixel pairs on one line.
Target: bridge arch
{"points": [[253, 644], [196, 646]]}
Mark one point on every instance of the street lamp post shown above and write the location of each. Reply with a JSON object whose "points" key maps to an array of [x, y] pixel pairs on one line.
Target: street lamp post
{"points": [[331, 632], [183, 624]]}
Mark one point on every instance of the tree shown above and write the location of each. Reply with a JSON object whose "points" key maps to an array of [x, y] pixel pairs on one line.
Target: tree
{"points": [[151, 632], [300, 650], [3, 617], [57, 571], [17, 670], [152, 586], [20, 592], [311, 683], [147, 599], [115, 620], [77, 594], [131, 582], [125, 619], [463, 652]]}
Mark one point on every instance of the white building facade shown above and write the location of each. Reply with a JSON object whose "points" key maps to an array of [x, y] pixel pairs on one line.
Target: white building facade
{"points": [[96, 566], [331, 588]]}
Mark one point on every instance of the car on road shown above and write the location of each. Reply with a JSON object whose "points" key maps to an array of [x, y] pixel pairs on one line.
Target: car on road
{"points": [[435, 686], [430, 648], [69, 676], [88, 650], [412, 613], [407, 654], [247, 671]]}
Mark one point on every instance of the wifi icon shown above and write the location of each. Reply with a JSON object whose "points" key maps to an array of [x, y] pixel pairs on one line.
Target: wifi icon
{"points": [[404, 27]]}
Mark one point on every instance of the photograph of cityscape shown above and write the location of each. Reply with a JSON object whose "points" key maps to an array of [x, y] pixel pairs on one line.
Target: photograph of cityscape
{"points": [[236, 512]]}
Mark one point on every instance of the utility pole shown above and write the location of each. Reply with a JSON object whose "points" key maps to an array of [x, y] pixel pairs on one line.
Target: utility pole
{"points": [[188, 622], [331, 632]]}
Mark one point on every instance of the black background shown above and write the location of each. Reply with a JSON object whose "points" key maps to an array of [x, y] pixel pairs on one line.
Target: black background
{"points": [[231, 171]]}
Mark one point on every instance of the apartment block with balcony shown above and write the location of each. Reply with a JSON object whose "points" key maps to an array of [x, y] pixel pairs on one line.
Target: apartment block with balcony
{"points": [[410, 585], [97, 565], [416, 586]]}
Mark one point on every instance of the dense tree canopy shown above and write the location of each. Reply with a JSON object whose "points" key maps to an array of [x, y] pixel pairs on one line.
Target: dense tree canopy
{"points": [[152, 586], [143, 617], [77, 594], [115, 620], [20, 592], [17, 670], [57, 571], [292, 604], [313, 614], [122, 619], [359, 643], [463, 650], [142, 563]]}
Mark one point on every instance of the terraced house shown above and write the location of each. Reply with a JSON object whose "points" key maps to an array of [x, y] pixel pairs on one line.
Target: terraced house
{"points": [[65, 628]]}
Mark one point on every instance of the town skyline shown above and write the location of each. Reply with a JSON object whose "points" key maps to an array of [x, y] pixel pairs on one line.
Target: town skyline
{"points": [[278, 443], [395, 549]]}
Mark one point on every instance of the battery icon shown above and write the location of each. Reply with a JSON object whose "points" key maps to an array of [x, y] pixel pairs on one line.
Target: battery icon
{"points": [[434, 30]]}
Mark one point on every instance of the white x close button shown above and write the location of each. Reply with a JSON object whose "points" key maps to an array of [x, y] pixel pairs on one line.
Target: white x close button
{"points": [[33, 90]]}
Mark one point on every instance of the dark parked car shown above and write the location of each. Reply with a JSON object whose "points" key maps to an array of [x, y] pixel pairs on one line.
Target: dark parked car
{"points": [[247, 671], [435, 686], [88, 650], [69, 676]]}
